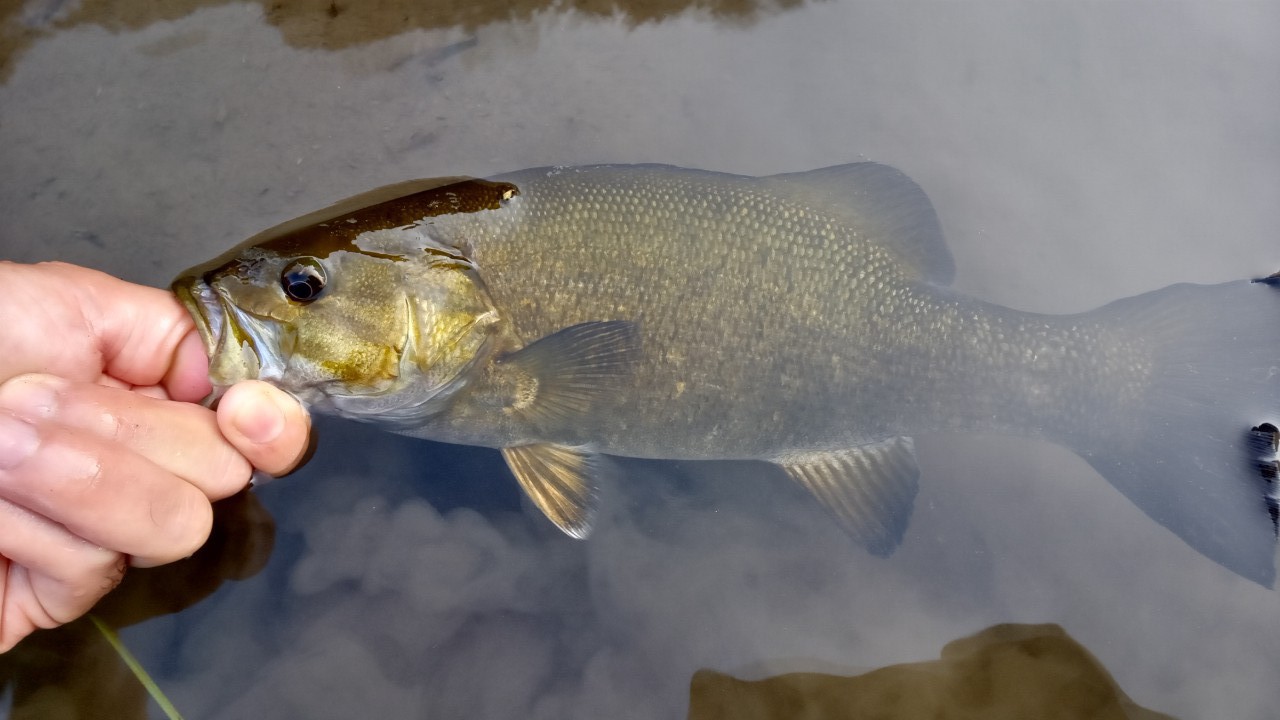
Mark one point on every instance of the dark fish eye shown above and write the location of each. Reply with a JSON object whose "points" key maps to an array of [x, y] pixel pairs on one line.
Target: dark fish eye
{"points": [[303, 279]]}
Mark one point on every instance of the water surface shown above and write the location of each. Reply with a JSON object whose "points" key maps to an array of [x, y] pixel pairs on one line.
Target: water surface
{"points": [[1076, 152]]}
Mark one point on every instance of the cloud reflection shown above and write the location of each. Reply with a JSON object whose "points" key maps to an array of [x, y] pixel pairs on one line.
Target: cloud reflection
{"points": [[392, 609]]}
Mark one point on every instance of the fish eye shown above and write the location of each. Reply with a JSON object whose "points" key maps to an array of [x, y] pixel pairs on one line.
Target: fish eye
{"points": [[303, 279]]}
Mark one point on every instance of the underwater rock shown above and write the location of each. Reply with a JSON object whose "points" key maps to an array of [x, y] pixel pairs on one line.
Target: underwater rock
{"points": [[1006, 672]]}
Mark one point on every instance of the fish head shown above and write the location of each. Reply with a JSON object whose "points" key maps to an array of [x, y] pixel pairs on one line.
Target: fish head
{"points": [[359, 309]]}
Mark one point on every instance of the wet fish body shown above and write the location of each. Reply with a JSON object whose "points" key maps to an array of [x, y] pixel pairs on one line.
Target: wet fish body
{"points": [[800, 319]]}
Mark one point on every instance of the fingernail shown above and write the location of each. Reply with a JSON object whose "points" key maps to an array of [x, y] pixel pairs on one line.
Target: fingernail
{"points": [[18, 441], [33, 397], [261, 421]]}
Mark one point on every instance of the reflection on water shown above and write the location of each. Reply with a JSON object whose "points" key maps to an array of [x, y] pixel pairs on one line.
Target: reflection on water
{"points": [[1006, 672], [1076, 152], [332, 25]]}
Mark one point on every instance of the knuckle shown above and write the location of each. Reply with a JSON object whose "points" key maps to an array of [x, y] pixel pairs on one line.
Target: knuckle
{"points": [[114, 427], [32, 396], [114, 573], [82, 585], [64, 475]]}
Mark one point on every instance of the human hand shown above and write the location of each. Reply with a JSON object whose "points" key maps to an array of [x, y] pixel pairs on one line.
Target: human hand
{"points": [[105, 460]]}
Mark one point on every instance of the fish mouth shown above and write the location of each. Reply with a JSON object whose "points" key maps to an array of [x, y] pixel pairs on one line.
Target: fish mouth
{"points": [[203, 306], [205, 309]]}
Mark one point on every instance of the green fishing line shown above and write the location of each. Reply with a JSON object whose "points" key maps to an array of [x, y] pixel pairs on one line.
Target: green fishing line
{"points": [[138, 671]]}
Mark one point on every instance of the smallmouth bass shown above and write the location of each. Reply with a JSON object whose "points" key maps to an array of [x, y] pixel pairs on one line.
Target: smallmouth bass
{"points": [[800, 319]]}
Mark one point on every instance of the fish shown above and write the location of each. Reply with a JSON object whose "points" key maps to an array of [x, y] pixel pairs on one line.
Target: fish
{"points": [[566, 314]]}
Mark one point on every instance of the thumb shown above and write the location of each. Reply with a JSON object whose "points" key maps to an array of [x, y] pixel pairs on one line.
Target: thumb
{"points": [[268, 426]]}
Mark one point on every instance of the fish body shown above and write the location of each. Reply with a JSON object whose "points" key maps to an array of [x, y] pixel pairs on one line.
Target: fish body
{"points": [[770, 325], [801, 319]]}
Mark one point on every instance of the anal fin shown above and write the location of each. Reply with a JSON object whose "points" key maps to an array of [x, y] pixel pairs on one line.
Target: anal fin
{"points": [[870, 488], [560, 480]]}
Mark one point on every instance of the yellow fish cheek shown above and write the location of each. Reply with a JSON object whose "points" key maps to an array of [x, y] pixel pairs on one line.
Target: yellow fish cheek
{"points": [[365, 366], [355, 343]]}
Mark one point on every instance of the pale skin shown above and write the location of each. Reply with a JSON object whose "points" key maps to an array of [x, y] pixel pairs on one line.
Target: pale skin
{"points": [[106, 459]]}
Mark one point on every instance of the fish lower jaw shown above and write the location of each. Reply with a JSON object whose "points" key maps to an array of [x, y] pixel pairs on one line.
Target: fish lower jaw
{"points": [[205, 309]]}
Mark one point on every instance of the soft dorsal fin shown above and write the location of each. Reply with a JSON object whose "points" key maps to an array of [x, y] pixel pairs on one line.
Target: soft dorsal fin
{"points": [[869, 488], [879, 202]]}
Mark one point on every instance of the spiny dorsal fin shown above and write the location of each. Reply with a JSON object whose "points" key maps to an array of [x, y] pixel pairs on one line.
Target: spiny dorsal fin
{"points": [[870, 488], [881, 203], [571, 369], [560, 480]]}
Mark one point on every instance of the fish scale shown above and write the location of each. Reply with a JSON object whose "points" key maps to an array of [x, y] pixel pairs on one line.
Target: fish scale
{"points": [[838, 340]]}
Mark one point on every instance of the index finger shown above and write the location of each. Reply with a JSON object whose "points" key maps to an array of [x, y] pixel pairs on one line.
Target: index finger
{"points": [[179, 437], [102, 325]]}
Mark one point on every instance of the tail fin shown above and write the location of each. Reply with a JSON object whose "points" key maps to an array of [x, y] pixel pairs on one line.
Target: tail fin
{"points": [[1201, 460]]}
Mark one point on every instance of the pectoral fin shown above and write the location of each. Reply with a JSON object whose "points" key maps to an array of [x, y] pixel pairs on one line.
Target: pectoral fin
{"points": [[869, 488], [565, 373], [560, 480]]}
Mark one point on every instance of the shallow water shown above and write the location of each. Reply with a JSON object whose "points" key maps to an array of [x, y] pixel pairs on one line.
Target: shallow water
{"points": [[1076, 153]]}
